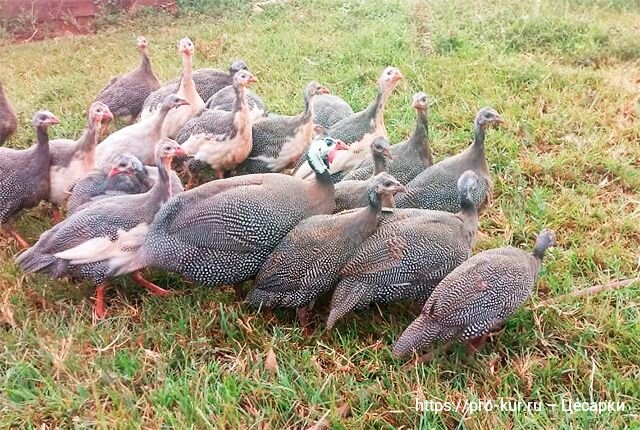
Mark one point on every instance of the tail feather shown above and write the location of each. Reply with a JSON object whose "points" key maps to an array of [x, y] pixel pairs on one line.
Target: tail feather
{"points": [[420, 333], [349, 295], [32, 261]]}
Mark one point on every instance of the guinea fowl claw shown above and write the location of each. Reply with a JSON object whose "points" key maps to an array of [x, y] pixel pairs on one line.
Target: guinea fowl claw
{"points": [[99, 311], [150, 286]]}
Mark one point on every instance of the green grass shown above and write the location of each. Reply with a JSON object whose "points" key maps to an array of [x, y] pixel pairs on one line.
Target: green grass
{"points": [[564, 74]]}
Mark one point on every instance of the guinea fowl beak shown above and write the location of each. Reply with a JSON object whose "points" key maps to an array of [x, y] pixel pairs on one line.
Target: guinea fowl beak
{"points": [[398, 76], [387, 154], [114, 171], [107, 115], [340, 145], [252, 79], [500, 120], [323, 90], [180, 153], [400, 189], [52, 121]]}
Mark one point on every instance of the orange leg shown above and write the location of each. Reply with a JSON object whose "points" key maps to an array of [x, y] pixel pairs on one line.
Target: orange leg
{"points": [[220, 173], [98, 308], [150, 286], [8, 228], [56, 215]]}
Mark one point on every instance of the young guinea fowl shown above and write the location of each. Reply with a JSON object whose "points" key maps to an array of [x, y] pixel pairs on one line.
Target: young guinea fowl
{"points": [[24, 175], [412, 250], [476, 297], [226, 98], [97, 242], [125, 95], [279, 141], [219, 138], [351, 194], [220, 233], [300, 269], [329, 109], [435, 187], [359, 129], [410, 157], [208, 82], [74, 159], [8, 118], [138, 139]]}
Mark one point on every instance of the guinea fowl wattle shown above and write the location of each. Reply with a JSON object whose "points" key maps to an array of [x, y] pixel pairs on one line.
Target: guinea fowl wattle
{"points": [[301, 269], [411, 156], [8, 118], [125, 95], [24, 174], [220, 233], [435, 188], [98, 242]]}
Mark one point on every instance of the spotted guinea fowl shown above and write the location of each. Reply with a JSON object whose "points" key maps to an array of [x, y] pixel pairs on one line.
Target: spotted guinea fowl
{"points": [[279, 141], [125, 95], [300, 269], [138, 139], [329, 109], [8, 118], [359, 129], [219, 138], [222, 232], [411, 156], [351, 194], [435, 187], [208, 82], [226, 97], [412, 250], [478, 296], [97, 242], [74, 159], [24, 175]]}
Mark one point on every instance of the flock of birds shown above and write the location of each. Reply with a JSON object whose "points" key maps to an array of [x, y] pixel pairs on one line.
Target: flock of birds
{"points": [[304, 205]]}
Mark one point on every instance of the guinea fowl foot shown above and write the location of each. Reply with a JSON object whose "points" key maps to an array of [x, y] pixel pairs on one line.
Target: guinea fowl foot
{"points": [[23, 244], [99, 310], [150, 286], [474, 345], [303, 317], [56, 216]]}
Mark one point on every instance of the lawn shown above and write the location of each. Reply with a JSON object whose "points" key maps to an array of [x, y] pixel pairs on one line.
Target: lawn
{"points": [[566, 77]]}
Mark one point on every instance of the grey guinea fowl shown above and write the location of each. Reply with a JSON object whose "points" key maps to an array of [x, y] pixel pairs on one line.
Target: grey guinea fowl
{"points": [[138, 139], [8, 118], [74, 159], [125, 95], [300, 269], [279, 141], [359, 129], [24, 175], [226, 97], [98, 242], [219, 138], [220, 233], [478, 296], [208, 82], [435, 188], [411, 156], [351, 194], [329, 109], [412, 250]]}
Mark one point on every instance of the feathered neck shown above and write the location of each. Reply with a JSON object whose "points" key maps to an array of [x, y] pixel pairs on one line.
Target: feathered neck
{"points": [[420, 138]]}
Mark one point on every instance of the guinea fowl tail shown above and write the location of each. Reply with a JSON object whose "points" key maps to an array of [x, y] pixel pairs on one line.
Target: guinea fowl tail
{"points": [[32, 261], [420, 333], [349, 295]]}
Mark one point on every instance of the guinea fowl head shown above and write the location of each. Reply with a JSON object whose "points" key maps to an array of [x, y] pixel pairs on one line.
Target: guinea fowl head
{"points": [[546, 238], [186, 47], [381, 146], [420, 101], [313, 88], [142, 44], [99, 113], [322, 151], [488, 116], [389, 79], [467, 183], [168, 149], [243, 78], [125, 164], [236, 66], [383, 184], [173, 101], [44, 118]]}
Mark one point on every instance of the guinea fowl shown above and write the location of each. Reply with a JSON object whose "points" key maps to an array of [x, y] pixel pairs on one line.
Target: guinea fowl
{"points": [[329, 109], [8, 118], [435, 187], [226, 98], [359, 129], [74, 159], [125, 95], [24, 174], [207, 81], [97, 242], [280, 141], [222, 232], [300, 269], [219, 138], [351, 194], [412, 250], [476, 297], [411, 156], [138, 139]]}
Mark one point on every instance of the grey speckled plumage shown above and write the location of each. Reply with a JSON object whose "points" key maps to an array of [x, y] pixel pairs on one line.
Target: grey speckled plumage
{"points": [[125, 95], [226, 97], [300, 269], [221, 232], [329, 109], [8, 118], [409, 254], [435, 188], [476, 297], [410, 157]]}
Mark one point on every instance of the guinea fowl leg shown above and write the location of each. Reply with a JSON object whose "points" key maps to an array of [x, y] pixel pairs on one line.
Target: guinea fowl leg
{"points": [[56, 215], [474, 345], [99, 311], [303, 316], [150, 286], [8, 228]]}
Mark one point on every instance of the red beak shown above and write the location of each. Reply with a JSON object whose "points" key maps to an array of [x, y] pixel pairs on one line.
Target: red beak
{"points": [[179, 152], [252, 79], [52, 121], [114, 171], [340, 145], [107, 115], [323, 90], [387, 154]]}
